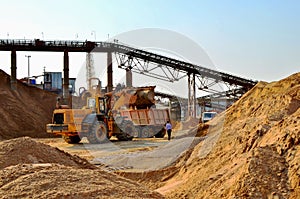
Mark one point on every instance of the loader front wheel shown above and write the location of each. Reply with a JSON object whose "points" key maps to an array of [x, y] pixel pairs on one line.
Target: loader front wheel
{"points": [[71, 139], [98, 133]]}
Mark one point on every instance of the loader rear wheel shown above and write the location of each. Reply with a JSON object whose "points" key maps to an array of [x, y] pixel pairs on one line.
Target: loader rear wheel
{"points": [[98, 133], [71, 139]]}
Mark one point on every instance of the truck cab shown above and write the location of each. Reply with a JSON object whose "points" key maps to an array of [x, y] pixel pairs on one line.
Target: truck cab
{"points": [[206, 116]]}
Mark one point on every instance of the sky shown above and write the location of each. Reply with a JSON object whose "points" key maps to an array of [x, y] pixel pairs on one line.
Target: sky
{"points": [[256, 39]]}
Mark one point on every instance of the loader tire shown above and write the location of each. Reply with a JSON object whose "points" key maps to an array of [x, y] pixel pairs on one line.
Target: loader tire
{"points": [[71, 139], [98, 133]]}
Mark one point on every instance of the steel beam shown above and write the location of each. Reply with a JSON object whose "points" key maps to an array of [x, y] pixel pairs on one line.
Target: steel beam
{"points": [[13, 68], [191, 95], [66, 93], [109, 72], [128, 78]]}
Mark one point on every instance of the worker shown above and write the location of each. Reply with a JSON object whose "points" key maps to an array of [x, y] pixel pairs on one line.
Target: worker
{"points": [[58, 106], [169, 129]]}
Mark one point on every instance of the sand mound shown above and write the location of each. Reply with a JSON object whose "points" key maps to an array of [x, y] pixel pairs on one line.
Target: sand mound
{"points": [[190, 122], [30, 169], [250, 151], [24, 111], [25, 150], [256, 154], [57, 181]]}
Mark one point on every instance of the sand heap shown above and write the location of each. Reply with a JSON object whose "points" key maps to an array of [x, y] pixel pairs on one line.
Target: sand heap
{"points": [[252, 150], [34, 170], [25, 150], [24, 111]]}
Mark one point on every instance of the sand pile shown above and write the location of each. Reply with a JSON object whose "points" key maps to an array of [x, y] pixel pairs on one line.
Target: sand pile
{"points": [[57, 181], [191, 127], [34, 170], [252, 150], [190, 122], [25, 150], [25, 111]]}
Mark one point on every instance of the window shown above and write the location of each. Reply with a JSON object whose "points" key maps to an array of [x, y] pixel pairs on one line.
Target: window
{"points": [[102, 108], [58, 118]]}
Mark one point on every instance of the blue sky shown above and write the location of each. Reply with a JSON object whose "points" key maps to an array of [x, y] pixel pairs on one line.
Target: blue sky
{"points": [[256, 39]]}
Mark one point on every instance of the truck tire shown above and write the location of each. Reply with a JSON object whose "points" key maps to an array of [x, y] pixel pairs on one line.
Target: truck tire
{"points": [[144, 133], [71, 139], [98, 133], [128, 128], [147, 132]]}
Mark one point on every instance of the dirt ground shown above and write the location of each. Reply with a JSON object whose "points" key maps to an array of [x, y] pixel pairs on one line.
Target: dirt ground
{"points": [[139, 155], [249, 151]]}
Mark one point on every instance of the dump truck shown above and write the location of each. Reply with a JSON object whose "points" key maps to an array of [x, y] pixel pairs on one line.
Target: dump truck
{"points": [[206, 116], [125, 113]]}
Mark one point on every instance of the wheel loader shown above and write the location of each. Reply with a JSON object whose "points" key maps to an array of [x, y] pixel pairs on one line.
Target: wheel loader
{"points": [[125, 113]]}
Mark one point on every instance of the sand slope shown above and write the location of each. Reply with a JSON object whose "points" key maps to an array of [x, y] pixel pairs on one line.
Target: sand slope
{"points": [[24, 111], [256, 152]]}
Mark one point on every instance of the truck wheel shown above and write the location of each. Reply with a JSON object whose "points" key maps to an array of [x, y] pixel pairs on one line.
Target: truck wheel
{"points": [[147, 132], [128, 128], [144, 132], [98, 133], [138, 131], [71, 139]]}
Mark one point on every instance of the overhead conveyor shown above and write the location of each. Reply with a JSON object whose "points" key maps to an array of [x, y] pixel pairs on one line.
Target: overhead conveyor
{"points": [[135, 60]]}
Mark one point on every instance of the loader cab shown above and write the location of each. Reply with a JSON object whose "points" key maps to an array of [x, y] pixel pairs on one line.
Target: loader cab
{"points": [[97, 105], [91, 104]]}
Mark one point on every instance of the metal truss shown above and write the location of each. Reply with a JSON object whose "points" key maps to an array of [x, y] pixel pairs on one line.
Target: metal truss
{"points": [[177, 66], [167, 73], [171, 70], [148, 68]]}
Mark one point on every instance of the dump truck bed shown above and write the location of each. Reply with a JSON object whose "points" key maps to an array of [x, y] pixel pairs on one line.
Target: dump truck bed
{"points": [[155, 117]]}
